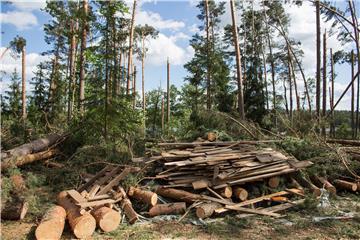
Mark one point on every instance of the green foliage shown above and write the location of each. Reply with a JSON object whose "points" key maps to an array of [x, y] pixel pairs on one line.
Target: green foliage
{"points": [[302, 149]]}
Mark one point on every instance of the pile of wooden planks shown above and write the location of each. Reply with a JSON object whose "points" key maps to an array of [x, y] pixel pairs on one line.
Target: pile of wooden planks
{"points": [[221, 164]]}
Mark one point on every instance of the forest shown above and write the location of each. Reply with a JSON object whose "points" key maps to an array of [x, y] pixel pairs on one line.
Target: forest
{"points": [[248, 118]]}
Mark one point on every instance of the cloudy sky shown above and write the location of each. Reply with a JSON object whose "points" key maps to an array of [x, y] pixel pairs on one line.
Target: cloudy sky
{"points": [[176, 22]]}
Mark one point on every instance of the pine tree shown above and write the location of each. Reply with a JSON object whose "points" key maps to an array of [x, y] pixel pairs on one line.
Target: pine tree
{"points": [[13, 97]]}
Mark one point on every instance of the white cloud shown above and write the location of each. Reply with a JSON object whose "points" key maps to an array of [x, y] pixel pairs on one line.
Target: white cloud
{"points": [[8, 63], [193, 28], [29, 5], [179, 36], [21, 20], [155, 20], [158, 53]]}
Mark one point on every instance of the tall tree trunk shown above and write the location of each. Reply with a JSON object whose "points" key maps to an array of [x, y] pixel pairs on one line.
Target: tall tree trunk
{"points": [[168, 94], [134, 87], [238, 62], [118, 81], [290, 90], [318, 59], [131, 36], [162, 115], [82, 57], [356, 33], [323, 129], [285, 98], [294, 78], [115, 60], [332, 94], [23, 80], [72, 68], [352, 96], [142, 75], [265, 76], [208, 72], [53, 78], [106, 102]]}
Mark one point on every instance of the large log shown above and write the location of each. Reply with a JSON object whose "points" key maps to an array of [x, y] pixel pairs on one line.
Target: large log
{"points": [[52, 224], [344, 142], [82, 226], [29, 158], [106, 218], [169, 208], [179, 195], [129, 211], [225, 192], [345, 185], [207, 209], [143, 196], [35, 146]]}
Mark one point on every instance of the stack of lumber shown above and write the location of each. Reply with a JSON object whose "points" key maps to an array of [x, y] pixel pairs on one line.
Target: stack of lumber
{"points": [[221, 164]]}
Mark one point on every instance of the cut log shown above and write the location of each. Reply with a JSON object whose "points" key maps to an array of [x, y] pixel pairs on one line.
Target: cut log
{"points": [[82, 226], [176, 194], [52, 224], [206, 210], [274, 182], [240, 193], [29, 158], [106, 218], [169, 208], [344, 142], [225, 192], [15, 210], [211, 136], [345, 185], [200, 184], [308, 184], [130, 213], [143, 196], [322, 182]]}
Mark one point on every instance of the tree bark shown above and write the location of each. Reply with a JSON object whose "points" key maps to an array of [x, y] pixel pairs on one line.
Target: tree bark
{"points": [[82, 57], [72, 80], [322, 182], [290, 89], [52, 224], [318, 59], [332, 128], [168, 94], [23, 79], [323, 129], [352, 96], [169, 208], [238, 63], [131, 36], [162, 115], [177, 194], [129, 211], [208, 72], [106, 218]]}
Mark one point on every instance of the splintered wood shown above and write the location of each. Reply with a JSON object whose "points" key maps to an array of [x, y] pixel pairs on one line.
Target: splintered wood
{"points": [[222, 164]]}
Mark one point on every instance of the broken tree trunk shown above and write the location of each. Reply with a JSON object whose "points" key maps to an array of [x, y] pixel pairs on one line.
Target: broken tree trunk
{"points": [[345, 185], [82, 226], [129, 211], [240, 193], [15, 210], [52, 224], [169, 208], [106, 218], [180, 195], [207, 209], [143, 196], [29, 158]]}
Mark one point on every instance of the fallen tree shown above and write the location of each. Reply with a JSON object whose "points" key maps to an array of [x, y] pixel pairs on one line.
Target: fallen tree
{"points": [[39, 149]]}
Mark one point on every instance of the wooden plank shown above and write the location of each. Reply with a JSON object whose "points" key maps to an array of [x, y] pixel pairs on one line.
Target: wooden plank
{"points": [[99, 197], [92, 180], [94, 190], [95, 203], [115, 181], [254, 211], [76, 196]]}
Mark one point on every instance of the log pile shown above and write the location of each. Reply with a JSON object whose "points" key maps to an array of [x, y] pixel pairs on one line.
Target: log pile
{"points": [[222, 165]]}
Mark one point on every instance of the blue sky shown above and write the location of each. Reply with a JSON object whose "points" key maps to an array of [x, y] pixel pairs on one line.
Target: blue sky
{"points": [[176, 22]]}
